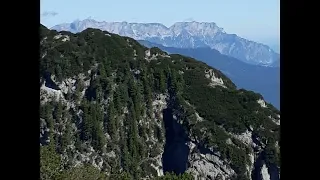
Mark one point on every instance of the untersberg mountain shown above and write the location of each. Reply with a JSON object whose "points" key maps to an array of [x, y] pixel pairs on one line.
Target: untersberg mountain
{"points": [[185, 35]]}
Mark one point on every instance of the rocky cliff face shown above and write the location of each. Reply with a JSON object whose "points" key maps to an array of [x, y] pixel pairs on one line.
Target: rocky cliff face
{"points": [[109, 103]]}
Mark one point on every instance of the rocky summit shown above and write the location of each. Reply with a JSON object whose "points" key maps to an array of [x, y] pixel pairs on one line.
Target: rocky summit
{"points": [[111, 108]]}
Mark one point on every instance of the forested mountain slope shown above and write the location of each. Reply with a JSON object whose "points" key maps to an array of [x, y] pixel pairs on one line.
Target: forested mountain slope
{"points": [[114, 109], [262, 79]]}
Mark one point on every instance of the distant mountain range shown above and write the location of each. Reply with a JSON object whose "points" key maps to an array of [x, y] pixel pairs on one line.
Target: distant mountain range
{"points": [[275, 47], [265, 80], [185, 35]]}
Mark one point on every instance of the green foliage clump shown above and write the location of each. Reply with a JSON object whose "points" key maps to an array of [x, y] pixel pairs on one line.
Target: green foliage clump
{"points": [[172, 176], [84, 172], [50, 163]]}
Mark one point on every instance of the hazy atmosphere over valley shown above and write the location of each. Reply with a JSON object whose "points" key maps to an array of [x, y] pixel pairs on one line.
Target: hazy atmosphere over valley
{"points": [[168, 90]]}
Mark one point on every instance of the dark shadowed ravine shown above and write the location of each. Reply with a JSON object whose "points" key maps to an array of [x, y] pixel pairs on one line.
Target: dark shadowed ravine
{"points": [[176, 152], [256, 172]]}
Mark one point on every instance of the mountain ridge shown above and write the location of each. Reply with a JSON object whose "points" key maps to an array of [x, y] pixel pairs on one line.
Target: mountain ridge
{"points": [[262, 79], [184, 35], [111, 108]]}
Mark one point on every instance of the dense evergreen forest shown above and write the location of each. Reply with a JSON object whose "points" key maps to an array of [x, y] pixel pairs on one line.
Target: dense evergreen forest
{"points": [[110, 108]]}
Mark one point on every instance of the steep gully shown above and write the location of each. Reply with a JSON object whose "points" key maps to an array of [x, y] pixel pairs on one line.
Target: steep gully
{"points": [[176, 151], [273, 170]]}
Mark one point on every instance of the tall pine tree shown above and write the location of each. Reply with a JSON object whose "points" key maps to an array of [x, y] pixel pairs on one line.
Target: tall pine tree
{"points": [[110, 123]]}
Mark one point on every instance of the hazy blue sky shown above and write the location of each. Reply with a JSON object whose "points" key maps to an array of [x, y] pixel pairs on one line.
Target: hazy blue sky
{"points": [[257, 20]]}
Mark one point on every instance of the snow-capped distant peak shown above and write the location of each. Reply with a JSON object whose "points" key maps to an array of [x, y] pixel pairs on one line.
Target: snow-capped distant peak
{"points": [[190, 34]]}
